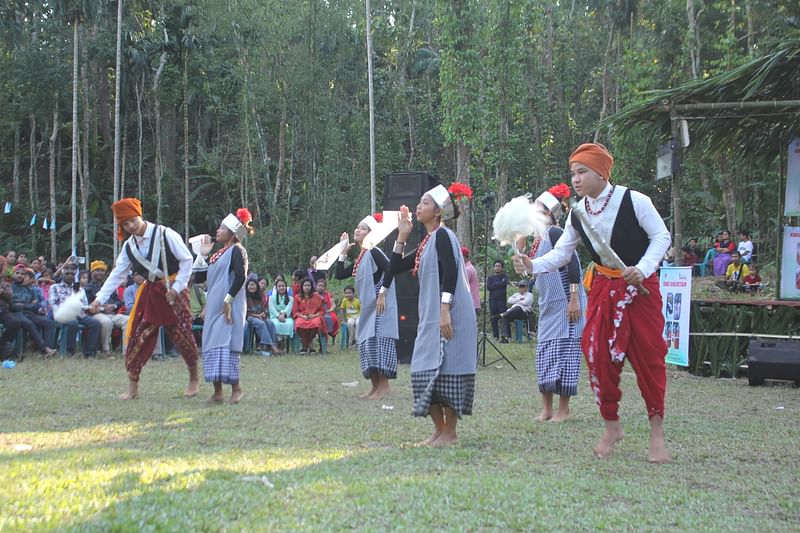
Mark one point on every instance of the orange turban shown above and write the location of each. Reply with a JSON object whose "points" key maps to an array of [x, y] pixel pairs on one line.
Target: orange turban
{"points": [[125, 209], [595, 156]]}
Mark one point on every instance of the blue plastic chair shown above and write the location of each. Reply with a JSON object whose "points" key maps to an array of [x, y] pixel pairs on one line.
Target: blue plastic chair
{"points": [[708, 262]]}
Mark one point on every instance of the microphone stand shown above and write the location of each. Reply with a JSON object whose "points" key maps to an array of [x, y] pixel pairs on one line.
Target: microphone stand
{"points": [[483, 338]]}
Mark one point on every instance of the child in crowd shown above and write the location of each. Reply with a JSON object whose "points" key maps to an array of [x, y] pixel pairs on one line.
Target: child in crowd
{"points": [[331, 320], [351, 308], [752, 281]]}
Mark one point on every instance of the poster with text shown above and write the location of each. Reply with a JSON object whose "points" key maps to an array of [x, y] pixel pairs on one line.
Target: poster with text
{"points": [[792, 203], [676, 294], [790, 267]]}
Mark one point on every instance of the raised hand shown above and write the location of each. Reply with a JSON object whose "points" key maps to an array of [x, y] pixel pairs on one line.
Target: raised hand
{"points": [[522, 264], [404, 224]]}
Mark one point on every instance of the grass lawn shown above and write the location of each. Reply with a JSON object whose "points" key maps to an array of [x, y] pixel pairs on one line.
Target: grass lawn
{"points": [[302, 453]]}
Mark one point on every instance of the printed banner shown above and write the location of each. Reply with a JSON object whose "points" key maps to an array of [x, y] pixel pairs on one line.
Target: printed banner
{"points": [[792, 203], [676, 292], [790, 266]]}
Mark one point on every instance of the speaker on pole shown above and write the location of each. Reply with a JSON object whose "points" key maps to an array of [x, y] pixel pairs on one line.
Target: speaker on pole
{"points": [[406, 188]]}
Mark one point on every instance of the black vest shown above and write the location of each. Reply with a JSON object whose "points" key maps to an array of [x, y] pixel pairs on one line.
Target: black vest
{"points": [[136, 266], [628, 238]]}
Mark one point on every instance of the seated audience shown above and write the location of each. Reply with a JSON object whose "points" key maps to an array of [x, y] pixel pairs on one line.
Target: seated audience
{"points": [[60, 292], [28, 306], [752, 281], [257, 319], [735, 274], [519, 306], [745, 247], [724, 248], [351, 308], [111, 315], [331, 319], [308, 311], [280, 308]]}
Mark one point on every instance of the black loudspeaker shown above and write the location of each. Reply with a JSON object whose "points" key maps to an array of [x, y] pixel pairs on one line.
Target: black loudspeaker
{"points": [[773, 359], [406, 188]]}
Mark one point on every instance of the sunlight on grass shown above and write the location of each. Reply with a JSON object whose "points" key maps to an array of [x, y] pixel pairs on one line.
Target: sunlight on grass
{"points": [[51, 440]]}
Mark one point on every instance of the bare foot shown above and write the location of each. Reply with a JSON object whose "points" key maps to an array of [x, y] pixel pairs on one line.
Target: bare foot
{"points": [[131, 393], [545, 415], [192, 389], [605, 447], [560, 416], [236, 396], [381, 392], [658, 453], [367, 395], [445, 439], [216, 398], [430, 440]]}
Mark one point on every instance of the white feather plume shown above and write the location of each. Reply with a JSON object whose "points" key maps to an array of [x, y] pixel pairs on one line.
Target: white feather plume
{"points": [[519, 218], [69, 309]]}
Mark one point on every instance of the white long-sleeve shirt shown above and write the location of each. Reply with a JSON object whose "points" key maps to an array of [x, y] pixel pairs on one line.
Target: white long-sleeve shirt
{"points": [[123, 263], [523, 300], [647, 215]]}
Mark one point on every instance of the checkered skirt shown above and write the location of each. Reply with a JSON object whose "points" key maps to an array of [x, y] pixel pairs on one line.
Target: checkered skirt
{"points": [[558, 365], [221, 364], [456, 391], [378, 354]]}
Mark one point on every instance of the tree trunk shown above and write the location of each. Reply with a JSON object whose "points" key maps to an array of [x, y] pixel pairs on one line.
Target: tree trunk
{"points": [[502, 165], [281, 174], [139, 132], [86, 159], [117, 132], [159, 169], [15, 172], [463, 226], [105, 119], [75, 136], [53, 181], [694, 38], [372, 186], [728, 197], [606, 62], [33, 192], [186, 145]]}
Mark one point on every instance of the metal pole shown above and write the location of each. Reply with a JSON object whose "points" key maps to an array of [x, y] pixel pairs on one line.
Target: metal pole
{"points": [[117, 136], [677, 241], [372, 191]]}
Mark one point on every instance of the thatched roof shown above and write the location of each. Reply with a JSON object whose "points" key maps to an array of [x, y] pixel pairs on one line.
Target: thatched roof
{"points": [[756, 105]]}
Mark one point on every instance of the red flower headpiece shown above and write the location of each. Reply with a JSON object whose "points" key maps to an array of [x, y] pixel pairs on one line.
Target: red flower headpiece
{"points": [[244, 216], [560, 191], [460, 190], [378, 217]]}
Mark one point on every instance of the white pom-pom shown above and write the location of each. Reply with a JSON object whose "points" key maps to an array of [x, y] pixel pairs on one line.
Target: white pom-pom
{"points": [[69, 310], [518, 218]]}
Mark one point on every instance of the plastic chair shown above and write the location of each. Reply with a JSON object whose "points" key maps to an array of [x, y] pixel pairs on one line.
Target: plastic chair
{"points": [[521, 326], [344, 339], [708, 262]]}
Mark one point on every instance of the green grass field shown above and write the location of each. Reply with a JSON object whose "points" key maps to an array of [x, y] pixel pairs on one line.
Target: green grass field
{"points": [[302, 453]]}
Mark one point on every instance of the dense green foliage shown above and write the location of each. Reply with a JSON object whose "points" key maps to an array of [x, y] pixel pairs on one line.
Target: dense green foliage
{"points": [[277, 111]]}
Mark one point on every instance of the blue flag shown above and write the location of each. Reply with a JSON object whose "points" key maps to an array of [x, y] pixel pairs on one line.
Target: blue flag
{"points": [[53, 223], [7, 208], [44, 224], [33, 220]]}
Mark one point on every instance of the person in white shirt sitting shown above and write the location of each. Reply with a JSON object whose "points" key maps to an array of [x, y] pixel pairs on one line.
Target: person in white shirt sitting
{"points": [[519, 307]]}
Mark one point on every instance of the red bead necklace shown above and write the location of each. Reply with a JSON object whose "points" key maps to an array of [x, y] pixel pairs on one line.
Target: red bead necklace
{"points": [[420, 249], [535, 248], [358, 261], [602, 207], [218, 254]]}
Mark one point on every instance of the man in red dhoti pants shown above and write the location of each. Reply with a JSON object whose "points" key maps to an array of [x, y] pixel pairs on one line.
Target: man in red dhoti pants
{"points": [[159, 254], [624, 319]]}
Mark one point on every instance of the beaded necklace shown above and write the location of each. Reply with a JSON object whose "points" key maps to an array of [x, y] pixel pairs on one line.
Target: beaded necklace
{"points": [[219, 253], [420, 249], [535, 248], [358, 261], [602, 207]]}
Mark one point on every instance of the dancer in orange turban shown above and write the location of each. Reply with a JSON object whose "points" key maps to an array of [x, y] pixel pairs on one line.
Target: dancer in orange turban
{"points": [[159, 254]]}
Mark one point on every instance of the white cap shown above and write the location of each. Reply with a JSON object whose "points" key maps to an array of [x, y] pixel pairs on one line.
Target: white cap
{"points": [[369, 221], [550, 202], [439, 195], [235, 225]]}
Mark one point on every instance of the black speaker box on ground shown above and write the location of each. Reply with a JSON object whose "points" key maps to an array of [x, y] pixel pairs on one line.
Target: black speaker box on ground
{"points": [[406, 188], [773, 359]]}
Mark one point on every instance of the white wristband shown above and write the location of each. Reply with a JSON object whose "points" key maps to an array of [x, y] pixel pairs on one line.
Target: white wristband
{"points": [[382, 290], [447, 298], [228, 299]]}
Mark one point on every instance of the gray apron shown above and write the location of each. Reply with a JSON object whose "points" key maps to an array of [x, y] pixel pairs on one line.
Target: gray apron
{"points": [[553, 320], [366, 292], [460, 354], [216, 331]]}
